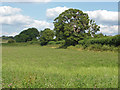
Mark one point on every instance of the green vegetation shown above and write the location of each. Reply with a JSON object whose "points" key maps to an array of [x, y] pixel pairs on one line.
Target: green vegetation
{"points": [[11, 41], [73, 25], [114, 40], [36, 59], [5, 39], [35, 66], [27, 35], [46, 36]]}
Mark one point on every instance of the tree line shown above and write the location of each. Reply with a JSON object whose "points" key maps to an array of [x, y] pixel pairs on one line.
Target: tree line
{"points": [[73, 26]]}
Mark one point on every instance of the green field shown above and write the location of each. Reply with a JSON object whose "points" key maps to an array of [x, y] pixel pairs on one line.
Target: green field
{"points": [[34, 66]]}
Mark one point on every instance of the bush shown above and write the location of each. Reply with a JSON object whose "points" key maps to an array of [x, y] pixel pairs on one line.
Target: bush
{"points": [[82, 42], [79, 46], [95, 47], [11, 41], [51, 43], [106, 47], [60, 42], [111, 41], [70, 47], [33, 42]]}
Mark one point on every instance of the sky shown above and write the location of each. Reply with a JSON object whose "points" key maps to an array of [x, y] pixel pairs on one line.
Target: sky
{"points": [[18, 16]]}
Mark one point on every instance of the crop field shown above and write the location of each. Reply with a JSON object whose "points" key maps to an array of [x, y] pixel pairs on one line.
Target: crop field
{"points": [[34, 66]]}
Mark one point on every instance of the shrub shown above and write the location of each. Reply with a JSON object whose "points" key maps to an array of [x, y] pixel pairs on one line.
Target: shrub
{"points": [[33, 42], [11, 41], [60, 42], [70, 47], [79, 46], [111, 41], [82, 42], [51, 43], [95, 47], [105, 47]]}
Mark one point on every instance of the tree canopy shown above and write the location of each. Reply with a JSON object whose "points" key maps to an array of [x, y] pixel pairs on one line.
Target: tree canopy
{"points": [[46, 35], [73, 25], [27, 35]]}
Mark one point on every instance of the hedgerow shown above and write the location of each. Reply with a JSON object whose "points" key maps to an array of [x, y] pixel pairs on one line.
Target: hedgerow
{"points": [[111, 41]]}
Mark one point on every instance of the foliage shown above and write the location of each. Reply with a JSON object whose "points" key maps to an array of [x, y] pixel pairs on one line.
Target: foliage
{"points": [[95, 47], [74, 25], [51, 43], [93, 28], [21, 38], [46, 35], [7, 37], [56, 42], [27, 35], [34, 42], [11, 41], [100, 35], [113, 40], [60, 42]]}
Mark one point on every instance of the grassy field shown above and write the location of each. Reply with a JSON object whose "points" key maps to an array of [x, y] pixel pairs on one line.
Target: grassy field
{"points": [[44, 67]]}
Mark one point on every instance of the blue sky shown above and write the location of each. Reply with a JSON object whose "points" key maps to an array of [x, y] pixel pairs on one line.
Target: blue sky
{"points": [[38, 10], [41, 15]]}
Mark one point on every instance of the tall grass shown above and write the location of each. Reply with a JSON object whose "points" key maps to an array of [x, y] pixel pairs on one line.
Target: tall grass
{"points": [[44, 67]]}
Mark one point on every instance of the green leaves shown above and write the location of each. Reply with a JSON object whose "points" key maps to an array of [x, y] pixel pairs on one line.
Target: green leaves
{"points": [[46, 36], [93, 27], [27, 35], [72, 24]]}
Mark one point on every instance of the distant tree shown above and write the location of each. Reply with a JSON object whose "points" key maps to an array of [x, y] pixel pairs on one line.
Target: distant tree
{"points": [[27, 35], [7, 37], [46, 35], [11, 41], [21, 38], [73, 25]]}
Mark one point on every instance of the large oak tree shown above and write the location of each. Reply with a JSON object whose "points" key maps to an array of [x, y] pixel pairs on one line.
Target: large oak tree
{"points": [[73, 25]]}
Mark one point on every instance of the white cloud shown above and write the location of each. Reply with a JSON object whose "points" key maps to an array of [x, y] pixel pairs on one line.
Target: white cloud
{"points": [[109, 30], [9, 34], [100, 16], [25, 0], [11, 17], [40, 24], [52, 13], [26, 21], [7, 10], [104, 16], [15, 19]]}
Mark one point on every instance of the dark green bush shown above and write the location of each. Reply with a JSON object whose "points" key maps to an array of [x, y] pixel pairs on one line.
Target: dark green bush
{"points": [[11, 41], [113, 40]]}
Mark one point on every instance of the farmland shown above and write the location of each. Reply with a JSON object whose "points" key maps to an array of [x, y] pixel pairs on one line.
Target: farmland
{"points": [[35, 66]]}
